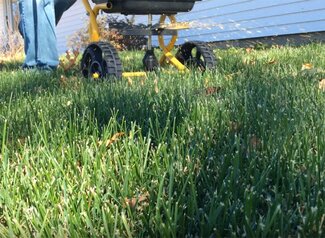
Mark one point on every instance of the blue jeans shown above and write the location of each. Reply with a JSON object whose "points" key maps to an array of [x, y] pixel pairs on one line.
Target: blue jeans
{"points": [[37, 26]]}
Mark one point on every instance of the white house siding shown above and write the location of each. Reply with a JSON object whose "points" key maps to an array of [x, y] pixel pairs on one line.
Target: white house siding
{"points": [[219, 20], [72, 20]]}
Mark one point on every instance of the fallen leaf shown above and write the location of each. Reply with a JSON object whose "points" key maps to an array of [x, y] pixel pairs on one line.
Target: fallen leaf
{"points": [[110, 141], [249, 50], [321, 85], [306, 66], [229, 76], [212, 90], [132, 202], [272, 61], [234, 126], [255, 142]]}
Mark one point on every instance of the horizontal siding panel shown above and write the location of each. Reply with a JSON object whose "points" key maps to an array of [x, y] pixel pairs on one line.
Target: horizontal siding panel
{"points": [[251, 25], [218, 20], [72, 20], [238, 8], [258, 32], [250, 12], [219, 5], [251, 19]]}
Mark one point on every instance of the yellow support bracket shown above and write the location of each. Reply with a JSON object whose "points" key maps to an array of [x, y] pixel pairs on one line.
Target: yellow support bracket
{"points": [[168, 56], [93, 13], [134, 74]]}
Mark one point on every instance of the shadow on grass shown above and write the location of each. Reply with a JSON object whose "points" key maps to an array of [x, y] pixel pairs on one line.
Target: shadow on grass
{"points": [[157, 114]]}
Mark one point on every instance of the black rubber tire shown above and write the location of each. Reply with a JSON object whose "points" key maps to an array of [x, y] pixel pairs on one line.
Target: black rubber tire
{"points": [[150, 61], [101, 58], [196, 54]]}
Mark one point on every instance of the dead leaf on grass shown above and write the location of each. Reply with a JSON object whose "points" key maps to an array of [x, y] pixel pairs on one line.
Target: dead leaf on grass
{"points": [[133, 202], [255, 142], [229, 76], [321, 85], [234, 126], [272, 61], [307, 66], [249, 50], [110, 141], [212, 90]]}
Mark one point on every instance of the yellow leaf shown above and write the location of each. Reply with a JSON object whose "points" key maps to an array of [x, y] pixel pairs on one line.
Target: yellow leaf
{"points": [[229, 76], [272, 61], [306, 66], [206, 82], [114, 138]]}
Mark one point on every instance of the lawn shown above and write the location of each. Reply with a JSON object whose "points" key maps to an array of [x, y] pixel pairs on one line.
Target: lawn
{"points": [[235, 152]]}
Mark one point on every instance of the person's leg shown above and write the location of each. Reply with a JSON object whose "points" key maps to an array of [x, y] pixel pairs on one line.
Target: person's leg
{"points": [[47, 54], [37, 26], [27, 29]]}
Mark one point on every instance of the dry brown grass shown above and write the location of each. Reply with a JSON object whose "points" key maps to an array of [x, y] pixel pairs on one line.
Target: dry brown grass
{"points": [[11, 47]]}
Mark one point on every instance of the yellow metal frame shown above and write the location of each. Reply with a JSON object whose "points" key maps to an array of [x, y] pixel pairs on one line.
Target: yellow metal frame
{"points": [[167, 56]]}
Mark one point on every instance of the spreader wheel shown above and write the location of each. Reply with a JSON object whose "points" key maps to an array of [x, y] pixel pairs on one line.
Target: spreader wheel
{"points": [[197, 54], [100, 60]]}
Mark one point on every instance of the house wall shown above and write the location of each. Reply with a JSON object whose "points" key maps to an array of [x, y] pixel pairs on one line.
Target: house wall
{"points": [[219, 20], [2, 16], [72, 20]]}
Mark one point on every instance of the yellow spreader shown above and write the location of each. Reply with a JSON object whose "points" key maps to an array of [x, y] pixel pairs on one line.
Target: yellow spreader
{"points": [[101, 59]]}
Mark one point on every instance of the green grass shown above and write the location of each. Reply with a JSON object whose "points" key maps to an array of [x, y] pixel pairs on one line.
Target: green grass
{"points": [[246, 158]]}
